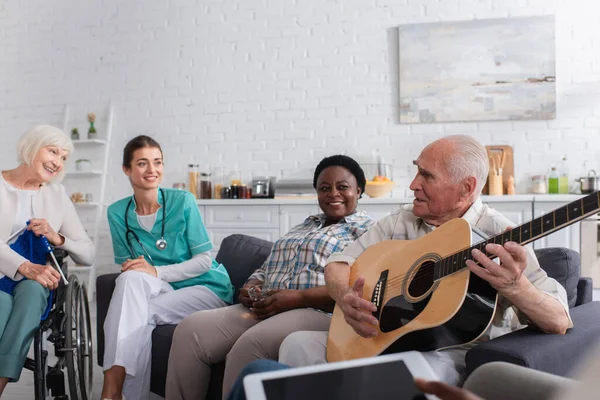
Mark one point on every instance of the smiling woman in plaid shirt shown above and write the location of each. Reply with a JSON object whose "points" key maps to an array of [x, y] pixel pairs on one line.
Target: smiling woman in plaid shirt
{"points": [[297, 298]]}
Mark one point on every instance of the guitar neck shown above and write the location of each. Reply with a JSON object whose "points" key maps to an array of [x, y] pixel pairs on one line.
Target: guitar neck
{"points": [[523, 234]]}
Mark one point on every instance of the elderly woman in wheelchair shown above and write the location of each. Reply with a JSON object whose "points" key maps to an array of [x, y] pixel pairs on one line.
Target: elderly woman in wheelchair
{"points": [[33, 203]]}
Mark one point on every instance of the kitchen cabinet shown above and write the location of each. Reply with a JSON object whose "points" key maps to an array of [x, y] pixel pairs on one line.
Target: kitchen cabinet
{"points": [[568, 237], [202, 211], [378, 211], [290, 216], [261, 221], [270, 219], [239, 216], [518, 212]]}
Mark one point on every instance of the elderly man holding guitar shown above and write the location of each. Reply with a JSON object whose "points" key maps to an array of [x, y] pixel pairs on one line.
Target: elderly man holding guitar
{"points": [[417, 281]]}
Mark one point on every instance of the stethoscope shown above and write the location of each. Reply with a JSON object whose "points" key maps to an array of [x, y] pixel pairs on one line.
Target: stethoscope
{"points": [[161, 243]]}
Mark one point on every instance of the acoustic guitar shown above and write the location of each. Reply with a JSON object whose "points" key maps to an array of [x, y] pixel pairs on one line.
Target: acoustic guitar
{"points": [[426, 297]]}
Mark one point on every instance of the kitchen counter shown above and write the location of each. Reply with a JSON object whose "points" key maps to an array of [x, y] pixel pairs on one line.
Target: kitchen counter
{"points": [[269, 219], [309, 200]]}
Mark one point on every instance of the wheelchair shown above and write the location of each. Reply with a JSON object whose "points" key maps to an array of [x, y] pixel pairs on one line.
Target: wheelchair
{"points": [[68, 328]]}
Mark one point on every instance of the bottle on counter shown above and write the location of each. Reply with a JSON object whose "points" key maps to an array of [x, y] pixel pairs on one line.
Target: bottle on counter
{"points": [[218, 180], [205, 186], [193, 179], [553, 181], [236, 178], [563, 179]]}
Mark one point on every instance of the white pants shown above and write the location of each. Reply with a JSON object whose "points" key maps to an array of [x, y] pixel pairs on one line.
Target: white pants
{"points": [[310, 347], [139, 303]]}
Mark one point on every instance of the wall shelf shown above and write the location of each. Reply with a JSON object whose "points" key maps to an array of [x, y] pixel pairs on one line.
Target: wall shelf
{"points": [[97, 148], [90, 142], [86, 205], [84, 174]]}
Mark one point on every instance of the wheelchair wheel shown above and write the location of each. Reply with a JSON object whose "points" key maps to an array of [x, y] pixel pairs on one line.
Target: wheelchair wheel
{"points": [[78, 338]]}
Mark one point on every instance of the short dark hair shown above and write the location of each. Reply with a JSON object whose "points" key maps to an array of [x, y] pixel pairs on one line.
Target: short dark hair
{"points": [[340, 160], [137, 143]]}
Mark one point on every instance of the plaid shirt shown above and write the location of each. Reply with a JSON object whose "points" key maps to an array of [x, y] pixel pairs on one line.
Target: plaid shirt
{"points": [[297, 260]]}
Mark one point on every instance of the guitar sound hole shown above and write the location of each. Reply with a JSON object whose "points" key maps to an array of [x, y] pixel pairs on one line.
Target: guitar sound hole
{"points": [[422, 281]]}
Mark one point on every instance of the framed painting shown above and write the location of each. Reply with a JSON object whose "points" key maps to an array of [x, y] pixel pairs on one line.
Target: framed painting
{"points": [[482, 70]]}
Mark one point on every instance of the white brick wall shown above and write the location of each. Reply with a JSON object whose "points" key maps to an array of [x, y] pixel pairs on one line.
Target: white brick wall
{"points": [[270, 85]]}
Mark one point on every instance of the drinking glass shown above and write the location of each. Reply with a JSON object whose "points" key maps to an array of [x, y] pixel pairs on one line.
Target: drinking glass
{"points": [[259, 292]]}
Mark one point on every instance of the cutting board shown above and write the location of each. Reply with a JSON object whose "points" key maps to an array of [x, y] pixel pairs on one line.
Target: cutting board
{"points": [[495, 151]]}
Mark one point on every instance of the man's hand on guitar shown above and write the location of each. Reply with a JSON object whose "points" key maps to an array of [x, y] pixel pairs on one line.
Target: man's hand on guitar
{"points": [[507, 278], [357, 311]]}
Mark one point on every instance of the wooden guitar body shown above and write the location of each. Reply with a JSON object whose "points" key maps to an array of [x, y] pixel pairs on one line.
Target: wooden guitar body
{"points": [[415, 311]]}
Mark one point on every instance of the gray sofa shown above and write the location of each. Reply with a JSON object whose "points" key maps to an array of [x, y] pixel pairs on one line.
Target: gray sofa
{"points": [[240, 254], [556, 354]]}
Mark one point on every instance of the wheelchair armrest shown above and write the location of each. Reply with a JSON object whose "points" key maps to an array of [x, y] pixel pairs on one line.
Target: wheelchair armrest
{"points": [[105, 285]]}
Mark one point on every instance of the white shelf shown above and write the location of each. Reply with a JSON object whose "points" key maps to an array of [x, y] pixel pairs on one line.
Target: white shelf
{"points": [[96, 182], [89, 142], [86, 174], [86, 205]]}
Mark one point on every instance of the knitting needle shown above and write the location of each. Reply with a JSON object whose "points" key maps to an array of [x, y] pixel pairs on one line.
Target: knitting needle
{"points": [[59, 268], [49, 248], [17, 233]]}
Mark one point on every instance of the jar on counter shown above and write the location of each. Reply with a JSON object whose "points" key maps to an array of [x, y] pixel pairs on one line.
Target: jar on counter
{"points": [[538, 184], [225, 192], [242, 192], [205, 186], [193, 179], [218, 181], [179, 186], [236, 178], [235, 193]]}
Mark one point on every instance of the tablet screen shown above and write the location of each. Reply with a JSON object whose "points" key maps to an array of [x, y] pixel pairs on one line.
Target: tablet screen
{"points": [[390, 380]]}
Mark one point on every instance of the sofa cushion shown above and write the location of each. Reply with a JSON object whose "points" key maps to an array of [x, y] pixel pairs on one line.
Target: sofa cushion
{"points": [[162, 337], [241, 255], [563, 265]]}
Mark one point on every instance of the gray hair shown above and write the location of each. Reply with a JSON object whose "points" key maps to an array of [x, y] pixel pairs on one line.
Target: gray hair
{"points": [[41, 136], [470, 158]]}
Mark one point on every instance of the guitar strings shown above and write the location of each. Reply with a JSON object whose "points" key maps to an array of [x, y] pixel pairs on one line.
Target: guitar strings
{"points": [[398, 281]]}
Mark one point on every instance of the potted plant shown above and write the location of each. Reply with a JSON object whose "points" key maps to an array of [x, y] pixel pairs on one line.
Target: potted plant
{"points": [[92, 131], [74, 134]]}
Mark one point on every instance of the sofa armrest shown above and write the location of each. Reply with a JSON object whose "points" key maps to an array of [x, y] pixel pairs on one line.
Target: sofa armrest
{"points": [[105, 285], [585, 290], [555, 354]]}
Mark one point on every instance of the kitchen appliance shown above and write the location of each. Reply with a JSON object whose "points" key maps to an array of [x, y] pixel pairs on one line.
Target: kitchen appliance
{"points": [[590, 249], [295, 187], [263, 187], [590, 183]]}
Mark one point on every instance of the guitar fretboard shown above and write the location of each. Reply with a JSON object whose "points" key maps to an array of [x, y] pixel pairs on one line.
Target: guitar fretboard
{"points": [[523, 234]]}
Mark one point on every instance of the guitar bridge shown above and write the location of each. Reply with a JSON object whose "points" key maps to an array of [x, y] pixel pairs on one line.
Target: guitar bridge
{"points": [[379, 292]]}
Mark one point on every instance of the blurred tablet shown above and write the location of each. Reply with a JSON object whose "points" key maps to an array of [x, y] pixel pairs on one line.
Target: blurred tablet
{"points": [[384, 377]]}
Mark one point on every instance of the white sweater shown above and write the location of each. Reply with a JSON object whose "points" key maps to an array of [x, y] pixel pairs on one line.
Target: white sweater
{"points": [[51, 203]]}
